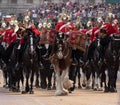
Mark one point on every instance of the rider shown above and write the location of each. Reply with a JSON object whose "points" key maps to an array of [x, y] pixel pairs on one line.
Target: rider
{"points": [[116, 27], [105, 37], [10, 34], [95, 33], [65, 26]]}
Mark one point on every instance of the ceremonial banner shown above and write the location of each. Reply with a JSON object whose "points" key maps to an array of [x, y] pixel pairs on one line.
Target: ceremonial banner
{"points": [[78, 41], [47, 36]]}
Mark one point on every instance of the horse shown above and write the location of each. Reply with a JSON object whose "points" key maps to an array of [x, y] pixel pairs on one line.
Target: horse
{"points": [[93, 67], [29, 60], [3, 65], [10, 71], [111, 62], [61, 60]]}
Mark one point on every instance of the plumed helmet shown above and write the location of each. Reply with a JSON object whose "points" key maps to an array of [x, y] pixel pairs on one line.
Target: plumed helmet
{"points": [[64, 17], [3, 25], [44, 25], [115, 21], [27, 18], [89, 23], [11, 22], [40, 25], [49, 25], [110, 15], [99, 20]]}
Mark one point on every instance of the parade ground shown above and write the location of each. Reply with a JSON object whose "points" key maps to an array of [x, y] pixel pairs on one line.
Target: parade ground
{"points": [[47, 97]]}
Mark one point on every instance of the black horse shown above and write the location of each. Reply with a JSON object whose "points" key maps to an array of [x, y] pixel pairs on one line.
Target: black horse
{"points": [[111, 62], [30, 60], [47, 70]]}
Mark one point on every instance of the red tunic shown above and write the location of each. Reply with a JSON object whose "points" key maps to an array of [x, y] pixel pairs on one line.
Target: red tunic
{"points": [[9, 36], [95, 32], [116, 28], [37, 33], [65, 28], [109, 28]]}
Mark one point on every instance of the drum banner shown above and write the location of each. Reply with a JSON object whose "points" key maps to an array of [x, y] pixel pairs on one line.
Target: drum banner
{"points": [[77, 40], [47, 36]]}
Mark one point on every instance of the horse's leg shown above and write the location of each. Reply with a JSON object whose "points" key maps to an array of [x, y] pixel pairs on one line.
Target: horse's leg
{"points": [[22, 81], [31, 82], [95, 80], [79, 75], [49, 79], [84, 77], [112, 80], [66, 83], [37, 79], [54, 80], [115, 80], [5, 76], [43, 73], [27, 72], [58, 86], [72, 76], [10, 81], [99, 82], [88, 74]]}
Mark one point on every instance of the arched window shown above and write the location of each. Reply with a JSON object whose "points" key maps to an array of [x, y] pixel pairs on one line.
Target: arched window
{"points": [[13, 1], [30, 1]]}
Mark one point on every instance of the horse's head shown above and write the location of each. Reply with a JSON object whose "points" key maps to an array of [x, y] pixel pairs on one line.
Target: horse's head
{"points": [[30, 37], [60, 45]]}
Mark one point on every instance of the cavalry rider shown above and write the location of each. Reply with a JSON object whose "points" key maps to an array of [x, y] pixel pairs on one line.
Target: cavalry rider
{"points": [[116, 27], [46, 38], [10, 34], [95, 33], [65, 26], [107, 29]]}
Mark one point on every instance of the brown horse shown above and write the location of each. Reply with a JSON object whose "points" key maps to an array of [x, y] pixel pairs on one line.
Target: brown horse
{"points": [[61, 60]]}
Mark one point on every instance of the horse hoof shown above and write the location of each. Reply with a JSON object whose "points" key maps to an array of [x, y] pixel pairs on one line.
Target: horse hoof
{"points": [[112, 90], [37, 86], [106, 90], [49, 88], [18, 90], [61, 93], [23, 92], [99, 89], [95, 89], [70, 91], [31, 92], [88, 87], [84, 85], [53, 88], [79, 87]]}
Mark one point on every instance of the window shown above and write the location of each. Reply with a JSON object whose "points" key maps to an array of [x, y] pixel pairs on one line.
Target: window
{"points": [[14, 1], [30, 1]]}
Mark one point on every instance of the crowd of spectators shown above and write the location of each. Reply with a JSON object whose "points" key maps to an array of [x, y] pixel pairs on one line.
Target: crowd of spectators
{"points": [[86, 11]]}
